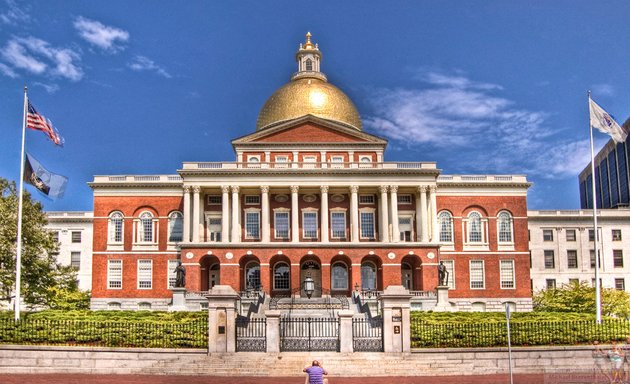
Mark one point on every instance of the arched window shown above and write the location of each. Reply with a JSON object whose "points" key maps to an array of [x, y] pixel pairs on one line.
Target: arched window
{"points": [[309, 64], [504, 227], [281, 277], [175, 227], [446, 227], [478, 307], [339, 276], [475, 233], [252, 275], [115, 229], [145, 228], [368, 275]]}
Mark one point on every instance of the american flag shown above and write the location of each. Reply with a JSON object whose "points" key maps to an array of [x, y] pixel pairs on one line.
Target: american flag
{"points": [[39, 123]]}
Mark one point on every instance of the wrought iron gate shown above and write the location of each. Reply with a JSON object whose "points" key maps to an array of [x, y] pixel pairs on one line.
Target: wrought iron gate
{"points": [[309, 334], [251, 334], [367, 334]]}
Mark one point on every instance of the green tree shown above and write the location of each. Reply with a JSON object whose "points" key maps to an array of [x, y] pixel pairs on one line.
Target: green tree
{"points": [[40, 270], [580, 298]]}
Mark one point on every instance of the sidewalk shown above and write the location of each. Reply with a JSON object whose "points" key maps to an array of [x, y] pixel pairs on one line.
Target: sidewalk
{"points": [[142, 379]]}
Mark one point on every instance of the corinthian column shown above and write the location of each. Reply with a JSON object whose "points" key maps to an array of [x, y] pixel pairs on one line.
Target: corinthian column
{"points": [[354, 213], [196, 211], [186, 214], [424, 222], [295, 215], [236, 222], [384, 220], [324, 213], [434, 227], [225, 214], [266, 228], [395, 232]]}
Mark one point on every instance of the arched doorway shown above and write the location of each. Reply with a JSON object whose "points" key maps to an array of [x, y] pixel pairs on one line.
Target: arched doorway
{"points": [[410, 273], [250, 278], [210, 272], [407, 276], [313, 269]]}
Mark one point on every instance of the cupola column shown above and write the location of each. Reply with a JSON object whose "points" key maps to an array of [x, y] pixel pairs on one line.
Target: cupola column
{"points": [[236, 226], [295, 215], [354, 213], [266, 228], [225, 214], [324, 213], [384, 219], [195, 215], [394, 196], [186, 214]]}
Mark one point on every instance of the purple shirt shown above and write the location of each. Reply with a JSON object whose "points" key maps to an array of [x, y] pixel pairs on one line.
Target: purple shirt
{"points": [[315, 375]]}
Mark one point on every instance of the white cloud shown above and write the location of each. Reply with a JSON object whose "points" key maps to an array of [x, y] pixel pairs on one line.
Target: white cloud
{"points": [[469, 120], [602, 90], [15, 13], [39, 57], [103, 36], [50, 88], [7, 71], [143, 63]]}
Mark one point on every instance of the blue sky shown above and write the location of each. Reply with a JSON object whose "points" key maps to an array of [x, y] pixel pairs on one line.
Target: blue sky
{"points": [[138, 87]]}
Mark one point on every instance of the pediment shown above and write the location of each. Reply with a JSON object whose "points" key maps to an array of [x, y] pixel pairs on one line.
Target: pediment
{"points": [[309, 129]]}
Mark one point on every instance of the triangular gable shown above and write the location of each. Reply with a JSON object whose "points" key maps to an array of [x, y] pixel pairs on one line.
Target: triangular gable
{"points": [[309, 129]]}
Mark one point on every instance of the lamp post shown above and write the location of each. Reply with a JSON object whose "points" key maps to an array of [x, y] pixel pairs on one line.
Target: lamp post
{"points": [[309, 286]]}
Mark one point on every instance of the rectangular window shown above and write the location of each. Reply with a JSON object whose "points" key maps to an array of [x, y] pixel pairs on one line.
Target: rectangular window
{"points": [[252, 225], [591, 235], [550, 262], [507, 274], [172, 276], [551, 283], [76, 237], [309, 225], [145, 274], [55, 236], [366, 199], [252, 200], [616, 234], [367, 225], [309, 161], [572, 261], [75, 259], [281, 162], [404, 199], [281, 225], [114, 274], [214, 229], [450, 268], [592, 258], [338, 225], [620, 284], [404, 227], [477, 280], [618, 258], [571, 235], [214, 199], [547, 234], [337, 161]]}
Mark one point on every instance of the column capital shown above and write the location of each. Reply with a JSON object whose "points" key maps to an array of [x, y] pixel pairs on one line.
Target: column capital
{"points": [[393, 188], [324, 189], [264, 188], [295, 189], [225, 188], [186, 188], [354, 188], [383, 188], [196, 189], [432, 188], [423, 188], [235, 188]]}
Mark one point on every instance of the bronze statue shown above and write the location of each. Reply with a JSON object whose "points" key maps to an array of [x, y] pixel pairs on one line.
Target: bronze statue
{"points": [[442, 274], [180, 275]]}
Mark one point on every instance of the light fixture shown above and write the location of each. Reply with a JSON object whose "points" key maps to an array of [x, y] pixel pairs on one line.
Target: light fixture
{"points": [[309, 286]]}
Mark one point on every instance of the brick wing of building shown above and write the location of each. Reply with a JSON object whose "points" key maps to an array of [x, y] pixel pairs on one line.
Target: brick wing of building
{"points": [[310, 195]]}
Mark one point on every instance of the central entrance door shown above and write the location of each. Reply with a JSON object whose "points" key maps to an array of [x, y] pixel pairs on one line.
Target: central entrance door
{"points": [[313, 269]]}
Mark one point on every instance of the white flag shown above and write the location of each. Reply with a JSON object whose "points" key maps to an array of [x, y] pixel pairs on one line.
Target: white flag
{"points": [[601, 120]]}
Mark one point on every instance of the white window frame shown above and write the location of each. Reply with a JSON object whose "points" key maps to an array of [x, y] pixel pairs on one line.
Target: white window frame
{"points": [[171, 275], [337, 161], [171, 221], [281, 161], [252, 199], [367, 199], [345, 222], [209, 232], [113, 277], [80, 237], [404, 199], [215, 199], [145, 274], [365, 162], [253, 161], [279, 264], [367, 211], [442, 228], [309, 161], [450, 268], [112, 243], [410, 216], [283, 211], [505, 244], [332, 279], [482, 270], [251, 211], [247, 268], [304, 229], [74, 261], [375, 274], [483, 227], [138, 234], [507, 274]]}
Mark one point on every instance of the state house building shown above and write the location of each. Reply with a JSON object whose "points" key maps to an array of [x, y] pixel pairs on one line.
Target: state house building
{"points": [[310, 195]]}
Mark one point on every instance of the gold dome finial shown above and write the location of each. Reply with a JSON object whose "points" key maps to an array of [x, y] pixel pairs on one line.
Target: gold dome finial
{"points": [[308, 44]]}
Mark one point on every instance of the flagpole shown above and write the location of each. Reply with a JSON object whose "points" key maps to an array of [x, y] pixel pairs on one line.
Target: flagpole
{"points": [[18, 259], [598, 297]]}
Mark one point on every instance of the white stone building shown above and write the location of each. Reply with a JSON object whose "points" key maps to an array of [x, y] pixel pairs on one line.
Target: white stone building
{"points": [[562, 247], [73, 231]]}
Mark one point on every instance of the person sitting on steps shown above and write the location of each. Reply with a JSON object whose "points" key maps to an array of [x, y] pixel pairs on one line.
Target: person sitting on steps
{"points": [[315, 373]]}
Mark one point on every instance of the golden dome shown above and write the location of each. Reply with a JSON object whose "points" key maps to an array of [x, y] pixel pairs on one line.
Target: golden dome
{"points": [[308, 93]]}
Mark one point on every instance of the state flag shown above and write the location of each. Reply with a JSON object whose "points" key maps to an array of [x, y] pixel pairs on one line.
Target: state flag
{"points": [[48, 183]]}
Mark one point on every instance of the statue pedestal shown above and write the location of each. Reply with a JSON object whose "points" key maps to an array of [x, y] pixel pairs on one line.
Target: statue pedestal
{"points": [[442, 299], [179, 300]]}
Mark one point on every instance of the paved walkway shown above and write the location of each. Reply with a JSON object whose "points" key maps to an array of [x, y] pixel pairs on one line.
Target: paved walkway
{"points": [[142, 379]]}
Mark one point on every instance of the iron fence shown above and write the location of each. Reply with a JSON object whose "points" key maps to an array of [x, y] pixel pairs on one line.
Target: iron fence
{"points": [[190, 334], [367, 334], [309, 334], [251, 334], [471, 335]]}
